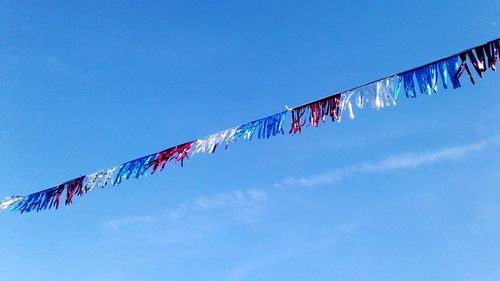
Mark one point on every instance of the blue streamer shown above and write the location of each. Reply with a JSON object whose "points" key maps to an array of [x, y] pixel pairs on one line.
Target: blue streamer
{"points": [[452, 66], [427, 76], [265, 127], [398, 87], [45, 199], [426, 79], [135, 168], [409, 84]]}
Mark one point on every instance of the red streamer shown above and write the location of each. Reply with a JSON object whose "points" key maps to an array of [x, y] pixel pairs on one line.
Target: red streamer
{"points": [[178, 153], [318, 110], [491, 49], [59, 191], [73, 187]]}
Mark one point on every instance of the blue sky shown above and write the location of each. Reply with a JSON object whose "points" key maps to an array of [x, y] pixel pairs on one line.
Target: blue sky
{"points": [[406, 193]]}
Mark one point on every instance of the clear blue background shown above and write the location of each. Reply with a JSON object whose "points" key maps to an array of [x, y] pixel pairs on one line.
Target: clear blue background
{"points": [[90, 85]]}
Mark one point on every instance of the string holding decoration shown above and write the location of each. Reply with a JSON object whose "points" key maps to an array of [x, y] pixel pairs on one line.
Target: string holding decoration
{"points": [[378, 94]]}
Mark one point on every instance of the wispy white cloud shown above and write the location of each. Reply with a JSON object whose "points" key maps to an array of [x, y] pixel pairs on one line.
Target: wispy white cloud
{"points": [[296, 247], [225, 200], [407, 160], [117, 223], [233, 199], [242, 199]]}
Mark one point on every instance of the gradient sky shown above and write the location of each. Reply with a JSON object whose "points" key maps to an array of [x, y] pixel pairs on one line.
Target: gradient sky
{"points": [[406, 193]]}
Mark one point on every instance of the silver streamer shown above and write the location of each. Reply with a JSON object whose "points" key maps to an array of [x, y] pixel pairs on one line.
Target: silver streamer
{"points": [[210, 143], [10, 201], [99, 179], [379, 94]]}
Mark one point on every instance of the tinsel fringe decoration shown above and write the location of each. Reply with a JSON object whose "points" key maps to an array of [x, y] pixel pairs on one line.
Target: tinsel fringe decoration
{"points": [[267, 127], [427, 77], [73, 187], [492, 52], [176, 153], [100, 179], [317, 110], [10, 201], [135, 168], [210, 143], [45, 199], [378, 94]]}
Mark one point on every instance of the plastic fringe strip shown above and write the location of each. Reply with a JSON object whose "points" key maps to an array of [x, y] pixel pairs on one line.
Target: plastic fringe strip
{"points": [[176, 153], [379, 94], [267, 127], [135, 168], [427, 77], [100, 179], [490, 49], [317, 110]]}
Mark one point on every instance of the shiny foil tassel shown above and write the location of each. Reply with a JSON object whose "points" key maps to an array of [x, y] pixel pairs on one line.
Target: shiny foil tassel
{"points": [[265, 127], [377, 95], [427, 76], [135, 168], [492, 50], [176, 153], [74, 186], [100, 179], [45, 199], [317, 110], [10, 201], [210, 143], [409, 84], [447, 70], [489, 50]]}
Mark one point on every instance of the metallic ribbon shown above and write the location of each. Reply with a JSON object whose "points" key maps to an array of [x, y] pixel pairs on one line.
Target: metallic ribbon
{"points": [[74, 186], [210, 143], [135, 168], [10, 201], [379, 94], [447, 70], [489, 50], [265, 127], [492, 50], [318, 110], [100, 179], [409, 84], [45, 199], [177, 153], [427, 76]]}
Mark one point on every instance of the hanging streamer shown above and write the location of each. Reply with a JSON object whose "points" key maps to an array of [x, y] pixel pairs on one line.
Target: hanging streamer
{"points": [[10, 201], [447, 70], [317, 110], [209, 144], [427, 76], [265, 127], [379, 94], [177, 153], [45, 199], [100, 179], [491, 49], [73, 187], [135, 168]]}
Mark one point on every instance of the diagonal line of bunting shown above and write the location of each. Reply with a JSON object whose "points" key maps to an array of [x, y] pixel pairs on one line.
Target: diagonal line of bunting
{"points": [[377, 94]]}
